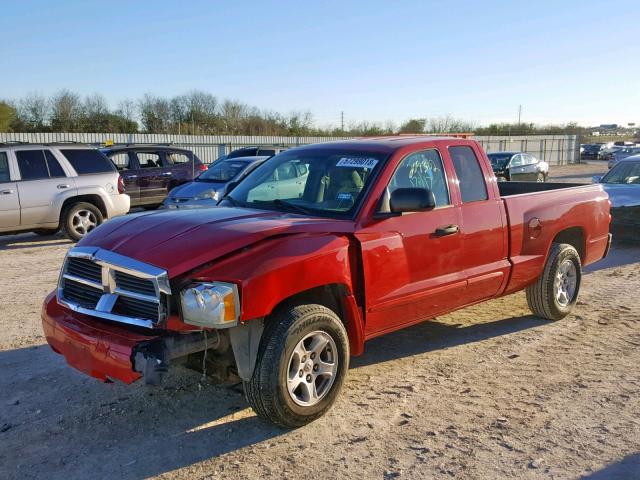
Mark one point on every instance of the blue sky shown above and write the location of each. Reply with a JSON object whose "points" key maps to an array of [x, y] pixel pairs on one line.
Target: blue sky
{"points": [[375, 60]]}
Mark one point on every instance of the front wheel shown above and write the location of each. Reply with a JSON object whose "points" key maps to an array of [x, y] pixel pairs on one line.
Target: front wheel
{"points": [[555, 293], [301, 366], [540, 178]]}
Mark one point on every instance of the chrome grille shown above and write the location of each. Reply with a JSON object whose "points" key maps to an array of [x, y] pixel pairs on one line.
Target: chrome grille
{"points": [[114, 287]]}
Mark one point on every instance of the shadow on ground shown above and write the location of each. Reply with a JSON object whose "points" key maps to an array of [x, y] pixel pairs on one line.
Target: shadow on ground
{"points": [[31, 240], [626, 469], [69, 425]]}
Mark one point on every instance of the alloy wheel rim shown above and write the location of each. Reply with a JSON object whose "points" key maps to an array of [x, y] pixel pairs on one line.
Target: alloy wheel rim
{"points": [[84, 221], [312, 368], [565, 283]]}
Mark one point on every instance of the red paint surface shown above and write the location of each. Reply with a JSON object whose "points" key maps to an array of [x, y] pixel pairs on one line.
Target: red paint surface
{"points": [[394, 271]]}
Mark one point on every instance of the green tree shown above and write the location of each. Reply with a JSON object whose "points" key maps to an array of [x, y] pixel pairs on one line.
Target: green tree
{"points": [[7, 116]]}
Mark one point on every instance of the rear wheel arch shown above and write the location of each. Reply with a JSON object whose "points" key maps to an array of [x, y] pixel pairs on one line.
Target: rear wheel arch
{"points": [[573, 236], [95, 200]]}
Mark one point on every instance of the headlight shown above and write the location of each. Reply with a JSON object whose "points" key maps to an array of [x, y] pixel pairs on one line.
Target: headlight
{"points": [[211, 305], [208, 195]]}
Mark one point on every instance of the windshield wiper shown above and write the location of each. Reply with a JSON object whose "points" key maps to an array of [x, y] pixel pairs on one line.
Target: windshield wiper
{"points": [[232, 201], [288, 205]]}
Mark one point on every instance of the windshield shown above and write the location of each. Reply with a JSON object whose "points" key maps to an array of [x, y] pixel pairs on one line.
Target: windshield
{"points": [[326, 182], [224, 171], [624, 172], [499, 160]]}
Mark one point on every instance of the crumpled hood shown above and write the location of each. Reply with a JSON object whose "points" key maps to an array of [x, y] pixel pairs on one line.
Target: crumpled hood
{"points": [[181, 240], [622, 195], [193, 189]]}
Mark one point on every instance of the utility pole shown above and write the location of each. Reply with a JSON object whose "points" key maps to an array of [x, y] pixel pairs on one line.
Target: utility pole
{"points": [[342, 121], [519, 114]]}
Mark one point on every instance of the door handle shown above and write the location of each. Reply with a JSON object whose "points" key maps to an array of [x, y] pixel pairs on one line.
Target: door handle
{"points": [[166, 174], [130, 176], [6, 192], [447, 230], [62, 186]]}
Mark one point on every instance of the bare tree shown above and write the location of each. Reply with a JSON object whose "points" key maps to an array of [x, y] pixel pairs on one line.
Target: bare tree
{"points": [[33, 112], [155, 114], [66, 112]]}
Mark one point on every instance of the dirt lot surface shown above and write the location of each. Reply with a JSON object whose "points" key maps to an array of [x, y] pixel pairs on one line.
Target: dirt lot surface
{"points": [[486, 392]]}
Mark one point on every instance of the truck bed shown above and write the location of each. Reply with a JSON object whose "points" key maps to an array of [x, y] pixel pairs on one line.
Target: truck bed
{"points": [[519, 188]]}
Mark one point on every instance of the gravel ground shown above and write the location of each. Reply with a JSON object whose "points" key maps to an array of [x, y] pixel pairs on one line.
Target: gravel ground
{"points": [[486, 392]]}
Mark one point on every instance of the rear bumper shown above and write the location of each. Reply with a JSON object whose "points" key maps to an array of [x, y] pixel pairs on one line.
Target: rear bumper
{"points": [[120, 205], [101, 350]]}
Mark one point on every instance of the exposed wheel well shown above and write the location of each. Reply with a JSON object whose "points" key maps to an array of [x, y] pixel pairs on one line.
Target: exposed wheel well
{"points": [[574, 236], [92, 199], [326, 295]]}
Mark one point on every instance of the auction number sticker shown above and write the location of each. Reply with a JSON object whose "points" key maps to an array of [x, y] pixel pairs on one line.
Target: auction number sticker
{"points": [[357, 162]]}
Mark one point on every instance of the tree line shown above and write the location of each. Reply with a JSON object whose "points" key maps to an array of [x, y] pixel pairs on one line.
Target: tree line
{"points": [[201, 113]]}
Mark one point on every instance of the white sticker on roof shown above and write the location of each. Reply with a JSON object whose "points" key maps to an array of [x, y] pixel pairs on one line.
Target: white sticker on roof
{"points": [[357, 162]]}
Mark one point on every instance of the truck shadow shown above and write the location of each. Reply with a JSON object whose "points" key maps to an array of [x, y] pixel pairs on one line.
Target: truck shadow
{"points": [[625, 469], [70, 425]]}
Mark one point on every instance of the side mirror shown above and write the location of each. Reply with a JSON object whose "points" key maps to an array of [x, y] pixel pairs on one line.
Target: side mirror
{"points": [[596, 179], [411, 200]]}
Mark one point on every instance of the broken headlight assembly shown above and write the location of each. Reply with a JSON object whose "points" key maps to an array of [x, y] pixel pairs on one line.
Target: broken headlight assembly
{"points": [[211, 305]]}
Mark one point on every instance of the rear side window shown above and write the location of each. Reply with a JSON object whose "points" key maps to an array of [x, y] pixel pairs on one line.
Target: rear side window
{"points": [[32, 165], [178, 157], [469, 173], [121, 161], [55, 169], [88, 161], [4, 168]]}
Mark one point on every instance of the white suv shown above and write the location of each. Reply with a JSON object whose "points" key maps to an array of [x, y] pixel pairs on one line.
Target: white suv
{"points": [[47, 187]]}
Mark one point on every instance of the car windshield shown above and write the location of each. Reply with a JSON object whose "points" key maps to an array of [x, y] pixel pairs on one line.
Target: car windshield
{"points": [[322, 181], [624, 172], [499, 160], [224, 171]]}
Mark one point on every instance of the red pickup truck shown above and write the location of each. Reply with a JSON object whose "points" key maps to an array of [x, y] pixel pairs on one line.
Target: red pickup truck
{"points": [[318, 250]]}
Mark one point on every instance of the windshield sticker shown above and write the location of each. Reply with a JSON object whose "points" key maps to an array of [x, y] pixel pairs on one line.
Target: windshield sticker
{"points": [[344, 196], [351, 162]]}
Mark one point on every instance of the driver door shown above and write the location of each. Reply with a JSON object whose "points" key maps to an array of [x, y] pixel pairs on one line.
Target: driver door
{"points": [[412, 265]]}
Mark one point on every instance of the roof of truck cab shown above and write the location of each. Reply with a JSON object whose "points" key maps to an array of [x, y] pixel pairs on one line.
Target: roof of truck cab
{"points": [[387, 144]]}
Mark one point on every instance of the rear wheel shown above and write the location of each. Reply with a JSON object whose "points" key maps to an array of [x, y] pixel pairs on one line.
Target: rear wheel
{"points": [[301, 365], [555, 293], [80, 219]]}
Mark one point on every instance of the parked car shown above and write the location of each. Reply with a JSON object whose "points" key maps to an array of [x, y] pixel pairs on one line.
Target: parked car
{"points": [[622, 183], [590, 151], [606, 152], [211, 185], [44, 188], [518, 167], [381, 234], [151, 171], [622, 154], [254, 151]]}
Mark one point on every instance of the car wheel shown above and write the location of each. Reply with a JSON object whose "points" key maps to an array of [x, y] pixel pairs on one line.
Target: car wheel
{"points": [[80, 219], [301, 366], [540, 177], [555, 292]]}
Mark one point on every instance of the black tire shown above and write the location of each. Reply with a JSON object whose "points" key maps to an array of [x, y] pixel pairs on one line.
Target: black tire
{"points": [[43, 232], [267, 391], [73, 231], [542, 295]]}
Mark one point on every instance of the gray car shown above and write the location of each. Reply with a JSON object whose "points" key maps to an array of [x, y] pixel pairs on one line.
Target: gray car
{"points": [[211, 185], [622, 183], [518, 167]]}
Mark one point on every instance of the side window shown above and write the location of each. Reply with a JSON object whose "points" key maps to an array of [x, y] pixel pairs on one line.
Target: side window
{"points": [[4, 168], [420, 170], [55, 170], [472, 184], [177, 158], [121, 161], [149, 159], [32, 165], [531, 159], [516, 161]]}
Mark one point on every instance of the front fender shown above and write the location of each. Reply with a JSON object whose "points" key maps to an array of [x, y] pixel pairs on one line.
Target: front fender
{"points": [[277, 268]]}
